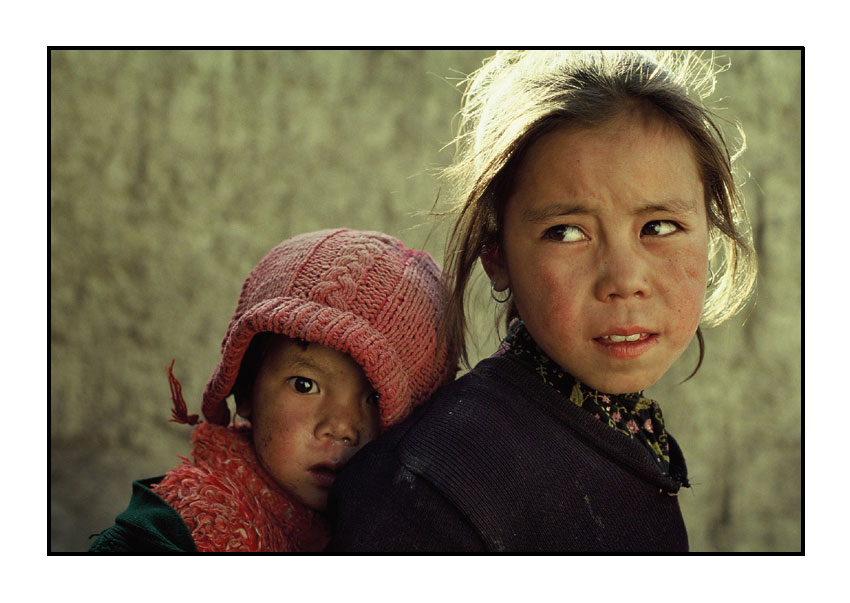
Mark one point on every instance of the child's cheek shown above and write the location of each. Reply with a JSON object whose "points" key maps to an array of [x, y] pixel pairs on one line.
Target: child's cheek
{"points": [[549, 300], [688, 279]]}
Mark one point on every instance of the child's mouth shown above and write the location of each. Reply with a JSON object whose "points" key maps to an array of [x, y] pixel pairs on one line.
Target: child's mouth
{"points": [[620, 338], [324, 474], [621, 345]]}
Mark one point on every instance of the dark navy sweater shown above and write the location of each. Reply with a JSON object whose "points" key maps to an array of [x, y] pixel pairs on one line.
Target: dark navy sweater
{"points": [[499, 461]]}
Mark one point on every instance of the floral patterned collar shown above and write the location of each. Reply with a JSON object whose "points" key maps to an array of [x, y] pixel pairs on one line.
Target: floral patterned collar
{"points": [[631, 414]]}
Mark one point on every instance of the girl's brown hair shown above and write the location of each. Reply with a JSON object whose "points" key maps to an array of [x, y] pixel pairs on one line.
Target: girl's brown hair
{"points": [[518, 96]]}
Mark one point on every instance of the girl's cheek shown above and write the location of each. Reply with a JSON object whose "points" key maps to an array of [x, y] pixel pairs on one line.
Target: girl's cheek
{"points": [[696, 270], [693, 265], [549, 281], [687, 280]]}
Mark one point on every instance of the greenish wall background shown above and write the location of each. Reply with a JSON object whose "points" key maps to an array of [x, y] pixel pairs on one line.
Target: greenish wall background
{"points": [[173, 172]]}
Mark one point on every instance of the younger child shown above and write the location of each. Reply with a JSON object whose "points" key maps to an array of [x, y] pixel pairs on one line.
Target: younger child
{"points": [[334, 338], [596, 191]]}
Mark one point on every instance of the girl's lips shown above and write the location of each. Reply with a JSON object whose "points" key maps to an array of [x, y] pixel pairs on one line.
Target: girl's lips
{"points": [[625, 349], [324, 475]]}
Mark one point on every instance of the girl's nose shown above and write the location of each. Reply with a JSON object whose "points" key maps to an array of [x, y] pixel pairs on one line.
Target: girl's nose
{"points": [[622, 274], [341, 422]]}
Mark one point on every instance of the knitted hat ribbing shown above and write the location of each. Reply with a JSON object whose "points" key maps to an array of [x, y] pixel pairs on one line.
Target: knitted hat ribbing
{"points": [[361, 293]]}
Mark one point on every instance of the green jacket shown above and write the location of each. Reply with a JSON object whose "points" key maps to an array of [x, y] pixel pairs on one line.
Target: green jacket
{"points": [[148, 525]]}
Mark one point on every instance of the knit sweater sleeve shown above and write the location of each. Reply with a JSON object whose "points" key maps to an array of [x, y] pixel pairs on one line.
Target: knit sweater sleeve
{"points": [[148, 525], [379, 505]]}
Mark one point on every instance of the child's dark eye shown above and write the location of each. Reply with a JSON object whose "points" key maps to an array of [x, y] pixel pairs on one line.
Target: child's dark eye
{"points": [[303, 385], [659, 228], [564, 232], [374, 399]]}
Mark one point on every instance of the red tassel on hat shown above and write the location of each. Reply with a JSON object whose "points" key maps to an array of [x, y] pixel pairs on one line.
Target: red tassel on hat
{"points": [[179, 412]]}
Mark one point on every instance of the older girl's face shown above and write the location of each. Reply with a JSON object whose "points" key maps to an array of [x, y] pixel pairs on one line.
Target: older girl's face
{"points": [[605, 249]]}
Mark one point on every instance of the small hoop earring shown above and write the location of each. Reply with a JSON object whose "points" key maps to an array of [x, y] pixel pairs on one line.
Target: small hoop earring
{"points": [[493, 293]]}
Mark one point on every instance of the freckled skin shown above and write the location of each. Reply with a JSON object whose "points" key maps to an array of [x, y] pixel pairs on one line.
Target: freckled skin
{"points": [[293, 430], [608, 271]]}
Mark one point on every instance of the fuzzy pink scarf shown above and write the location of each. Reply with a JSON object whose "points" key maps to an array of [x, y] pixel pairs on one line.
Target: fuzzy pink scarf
{"points": [[230, 503]]}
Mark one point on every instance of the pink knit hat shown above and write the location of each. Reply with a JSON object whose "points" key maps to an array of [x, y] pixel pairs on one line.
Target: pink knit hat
{"points": [[361, 293]]}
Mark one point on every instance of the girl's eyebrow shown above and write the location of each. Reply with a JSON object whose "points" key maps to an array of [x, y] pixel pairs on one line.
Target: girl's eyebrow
{"points": [[553, 210], [673, 206], [542, 214]]}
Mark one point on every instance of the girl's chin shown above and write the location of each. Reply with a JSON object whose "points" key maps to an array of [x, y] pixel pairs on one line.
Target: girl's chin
{"points": [[618, 386], [317, 503], [312, 498]]}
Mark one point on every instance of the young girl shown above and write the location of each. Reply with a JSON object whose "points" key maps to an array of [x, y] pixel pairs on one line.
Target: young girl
{"points": [[599, 197], [334, 338]]}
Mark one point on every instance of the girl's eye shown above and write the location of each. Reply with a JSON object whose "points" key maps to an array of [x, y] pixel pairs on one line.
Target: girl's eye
{"points": [[659, 228], [303, 385], [566, 233], [373, 399]]}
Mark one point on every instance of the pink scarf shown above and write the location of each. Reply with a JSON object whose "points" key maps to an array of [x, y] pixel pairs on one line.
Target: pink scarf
{"points": [[230, 503]]}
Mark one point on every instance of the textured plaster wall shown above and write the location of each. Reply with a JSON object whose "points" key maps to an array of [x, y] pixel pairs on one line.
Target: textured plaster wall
{"points": [[173, 172]]}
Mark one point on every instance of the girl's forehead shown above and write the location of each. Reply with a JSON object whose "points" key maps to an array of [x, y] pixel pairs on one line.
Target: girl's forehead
{"points": [[624, 132], [638, 161]]}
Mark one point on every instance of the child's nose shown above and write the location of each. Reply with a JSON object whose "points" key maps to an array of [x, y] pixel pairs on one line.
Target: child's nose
{"points": [[622, 274], [341, 421]]}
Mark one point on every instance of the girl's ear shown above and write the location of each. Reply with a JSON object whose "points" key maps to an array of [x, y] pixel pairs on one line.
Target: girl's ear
{"points": [[494, 266]]}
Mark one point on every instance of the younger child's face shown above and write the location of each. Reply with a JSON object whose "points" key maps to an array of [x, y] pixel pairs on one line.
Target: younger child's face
{"points": [[605, 236], [311, 410]]}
